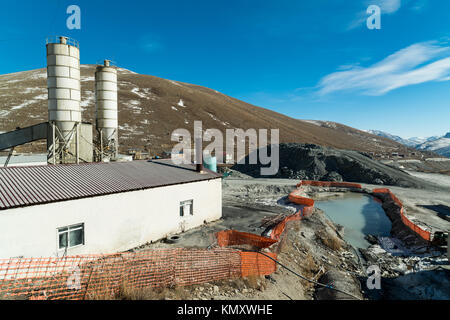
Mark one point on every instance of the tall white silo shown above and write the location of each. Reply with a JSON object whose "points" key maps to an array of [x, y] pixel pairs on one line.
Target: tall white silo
{"points": [[64, 97], [107, 110]]}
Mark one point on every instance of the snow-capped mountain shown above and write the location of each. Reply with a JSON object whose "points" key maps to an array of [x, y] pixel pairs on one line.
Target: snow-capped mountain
{"points": [[407, 142], [420, 140], [440, 145]]}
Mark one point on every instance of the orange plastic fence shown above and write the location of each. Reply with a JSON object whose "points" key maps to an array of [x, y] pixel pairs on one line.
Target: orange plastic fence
{"points": [[424, 234], [296, 198], [255, 264], [232, 238], [102, 276], [307, 209]]}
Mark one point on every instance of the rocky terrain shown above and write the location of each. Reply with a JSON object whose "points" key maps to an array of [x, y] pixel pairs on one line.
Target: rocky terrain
{"points": [[151, 108], [313, 162]]}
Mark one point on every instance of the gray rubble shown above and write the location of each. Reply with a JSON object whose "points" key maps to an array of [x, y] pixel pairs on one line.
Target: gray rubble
{"points": [[313, 162]]}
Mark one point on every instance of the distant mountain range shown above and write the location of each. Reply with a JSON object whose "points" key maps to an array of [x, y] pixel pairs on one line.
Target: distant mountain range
{"points": [[440, 145]]}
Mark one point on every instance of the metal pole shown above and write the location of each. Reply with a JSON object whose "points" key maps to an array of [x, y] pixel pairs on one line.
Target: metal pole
{"points": [[54, 143], [101, 145], [77, 137], [11, 151]]}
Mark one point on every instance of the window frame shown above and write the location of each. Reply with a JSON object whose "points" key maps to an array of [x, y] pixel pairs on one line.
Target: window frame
{"points": [[182, 206], [70, 228]]}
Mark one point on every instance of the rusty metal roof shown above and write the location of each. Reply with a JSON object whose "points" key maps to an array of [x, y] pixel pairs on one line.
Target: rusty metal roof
{"points": [[26, 186]]}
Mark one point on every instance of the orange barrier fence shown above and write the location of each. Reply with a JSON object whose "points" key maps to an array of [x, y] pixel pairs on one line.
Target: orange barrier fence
{"points": [[329, 184], [295, 198], [255, 264], [306, 209], [90, 277], [232, 238], [424, 234]]}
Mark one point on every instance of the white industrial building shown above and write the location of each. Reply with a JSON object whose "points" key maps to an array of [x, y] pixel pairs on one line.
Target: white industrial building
{"points": [[101, 208]]}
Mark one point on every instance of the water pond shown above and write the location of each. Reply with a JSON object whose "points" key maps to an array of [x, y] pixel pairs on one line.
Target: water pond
{"points": [[359, 214]]}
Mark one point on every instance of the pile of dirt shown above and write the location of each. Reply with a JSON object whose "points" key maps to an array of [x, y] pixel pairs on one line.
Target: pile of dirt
{"points": [[313, 162]]}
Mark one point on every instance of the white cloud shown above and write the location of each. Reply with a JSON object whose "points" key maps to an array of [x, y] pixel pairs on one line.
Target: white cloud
{"points": [[418, 63], [389, 6]]}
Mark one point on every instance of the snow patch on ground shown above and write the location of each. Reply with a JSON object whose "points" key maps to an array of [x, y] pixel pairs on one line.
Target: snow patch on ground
{"points": [[33, 90], [39, 75], [135, 102], [126, 71], [86, 79], [175, 83], [29, 102], [181, 103], [315, 122], [89, 100], [143, 93], [135, 105], [218, 120], [41, 97], [173, 108]]}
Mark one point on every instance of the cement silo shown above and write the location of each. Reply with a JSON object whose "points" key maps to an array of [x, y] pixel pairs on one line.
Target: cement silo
{"points": [[64, 97], [106, 110]]}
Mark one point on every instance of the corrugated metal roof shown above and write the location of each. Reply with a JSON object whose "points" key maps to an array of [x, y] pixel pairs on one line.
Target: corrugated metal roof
{"points": [[25, 186]]}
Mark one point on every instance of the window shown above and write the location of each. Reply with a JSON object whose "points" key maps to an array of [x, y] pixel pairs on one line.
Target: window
{"points": [[69, 237], [186, 208]]}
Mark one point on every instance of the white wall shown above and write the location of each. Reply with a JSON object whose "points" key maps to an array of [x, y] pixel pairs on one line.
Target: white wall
{"points": [[112, 223]]}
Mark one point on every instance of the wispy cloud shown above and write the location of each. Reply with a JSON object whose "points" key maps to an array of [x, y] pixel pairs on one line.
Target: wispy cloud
{"points": [[418, 63], [389, 6]]}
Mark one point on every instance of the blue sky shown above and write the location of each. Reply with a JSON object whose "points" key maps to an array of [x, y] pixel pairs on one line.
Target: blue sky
{"points": [[307, 59]]}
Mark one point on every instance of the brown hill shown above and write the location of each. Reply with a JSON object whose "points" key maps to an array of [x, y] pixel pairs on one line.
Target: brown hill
{"points": [[150, 108]]}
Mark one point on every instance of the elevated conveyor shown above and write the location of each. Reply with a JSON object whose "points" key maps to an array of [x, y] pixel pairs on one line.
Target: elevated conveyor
{"points": [[23, 135]]}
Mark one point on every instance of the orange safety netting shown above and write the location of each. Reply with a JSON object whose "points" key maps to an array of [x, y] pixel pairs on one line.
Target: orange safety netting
{"points": [[424, 234], [228, 238], [296, 198], [255, 264], [306, 209], [90, 277]]}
